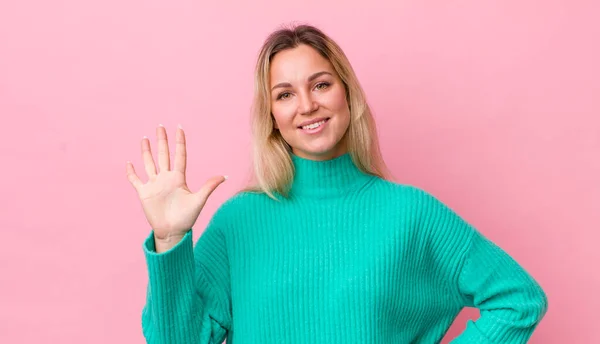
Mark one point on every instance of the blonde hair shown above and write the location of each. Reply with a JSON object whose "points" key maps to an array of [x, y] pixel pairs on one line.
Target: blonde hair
{"points": [[273, 169]]}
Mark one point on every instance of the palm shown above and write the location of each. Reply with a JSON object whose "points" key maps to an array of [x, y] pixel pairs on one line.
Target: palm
{"points": [[170, 207], [168, 204]]}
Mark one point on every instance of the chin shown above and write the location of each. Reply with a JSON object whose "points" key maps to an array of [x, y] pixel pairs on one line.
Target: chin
{"points": [[323, 152]]}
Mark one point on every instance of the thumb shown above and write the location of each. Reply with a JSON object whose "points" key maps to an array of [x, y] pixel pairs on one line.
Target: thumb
{"points": [[207, 189]]}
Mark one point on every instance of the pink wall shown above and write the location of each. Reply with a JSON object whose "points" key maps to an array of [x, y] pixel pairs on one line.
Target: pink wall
{"points": [[492, 107]]}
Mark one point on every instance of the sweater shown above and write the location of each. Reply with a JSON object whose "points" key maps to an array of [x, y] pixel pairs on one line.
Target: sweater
{"points": [[348, 257]]}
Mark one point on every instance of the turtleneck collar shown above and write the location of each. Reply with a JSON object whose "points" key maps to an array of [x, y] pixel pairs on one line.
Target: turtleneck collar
{"points": [[327, 178]]}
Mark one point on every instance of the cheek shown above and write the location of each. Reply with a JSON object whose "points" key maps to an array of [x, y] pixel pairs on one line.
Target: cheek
{"points": [[283, 118], [337, 101], [339, 105]]}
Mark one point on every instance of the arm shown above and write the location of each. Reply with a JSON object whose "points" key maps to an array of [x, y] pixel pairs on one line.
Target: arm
{"points": [[510, 301], [188, 294], [482, 275]]}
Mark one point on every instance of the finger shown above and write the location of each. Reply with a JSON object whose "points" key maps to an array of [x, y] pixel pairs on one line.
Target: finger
{"points": [[163, 148], [180, 151], [208, 188], [132, 177], [149, 165]]}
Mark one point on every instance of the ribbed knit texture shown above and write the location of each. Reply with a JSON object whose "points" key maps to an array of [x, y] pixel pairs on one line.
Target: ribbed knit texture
{"points": [[348, 258]]}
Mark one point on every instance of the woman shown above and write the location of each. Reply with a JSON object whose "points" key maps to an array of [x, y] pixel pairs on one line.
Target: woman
{"points": [[323, 248]]}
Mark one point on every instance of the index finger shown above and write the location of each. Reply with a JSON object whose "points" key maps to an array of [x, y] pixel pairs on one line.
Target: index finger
{"points": [[180, 150]]}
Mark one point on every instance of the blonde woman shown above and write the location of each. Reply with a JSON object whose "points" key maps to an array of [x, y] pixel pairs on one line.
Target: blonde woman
{"points": [[323, 247]]}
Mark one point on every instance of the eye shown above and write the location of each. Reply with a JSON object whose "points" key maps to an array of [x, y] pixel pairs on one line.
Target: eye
{"points": [[322, 85], [283, 95]]}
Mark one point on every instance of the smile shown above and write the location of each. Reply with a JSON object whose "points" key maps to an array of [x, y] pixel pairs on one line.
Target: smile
{"points": [[315, 127]]}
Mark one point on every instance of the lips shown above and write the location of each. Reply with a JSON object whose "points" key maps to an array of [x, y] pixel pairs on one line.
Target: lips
{"points": [[313, 121]]}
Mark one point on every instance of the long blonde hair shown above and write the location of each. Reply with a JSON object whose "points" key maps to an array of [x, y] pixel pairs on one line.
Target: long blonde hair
{"points": [[273, 169]]}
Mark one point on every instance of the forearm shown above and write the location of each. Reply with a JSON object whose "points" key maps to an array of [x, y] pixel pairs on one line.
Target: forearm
{"points": [[181, 306], [510, 301], [172, 305]]}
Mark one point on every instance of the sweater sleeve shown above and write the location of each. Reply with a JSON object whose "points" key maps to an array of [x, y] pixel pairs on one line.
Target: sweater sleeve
{"points": [[188, 292], [482, 275], [510, 301]]}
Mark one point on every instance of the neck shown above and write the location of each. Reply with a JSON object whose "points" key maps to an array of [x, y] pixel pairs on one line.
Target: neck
{"points": [[326, 178]]}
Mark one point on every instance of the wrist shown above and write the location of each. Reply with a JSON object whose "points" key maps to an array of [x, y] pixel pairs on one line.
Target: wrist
{"points": [[163, 244]]}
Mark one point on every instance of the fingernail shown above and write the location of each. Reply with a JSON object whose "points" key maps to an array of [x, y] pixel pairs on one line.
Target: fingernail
{"points": [[179, 125], [160, 125], [226, 177], [145, 137]]}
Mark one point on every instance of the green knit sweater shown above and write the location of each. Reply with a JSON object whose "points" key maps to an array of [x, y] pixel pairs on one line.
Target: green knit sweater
{"points": [[348, 258]]}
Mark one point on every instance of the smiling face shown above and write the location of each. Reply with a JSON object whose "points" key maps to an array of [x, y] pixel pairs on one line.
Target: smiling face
{"points": [[305, 89]]}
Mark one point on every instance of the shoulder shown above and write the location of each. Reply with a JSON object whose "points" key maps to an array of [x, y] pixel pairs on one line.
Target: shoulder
{"points": [[414, 192], [402, 191], [416, 202]]}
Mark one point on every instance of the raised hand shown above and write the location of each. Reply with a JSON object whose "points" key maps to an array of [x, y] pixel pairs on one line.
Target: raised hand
{"points": [[170, 207]]}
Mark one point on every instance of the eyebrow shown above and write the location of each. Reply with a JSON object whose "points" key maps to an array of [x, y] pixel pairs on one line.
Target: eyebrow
{"points": [[310, 78]]}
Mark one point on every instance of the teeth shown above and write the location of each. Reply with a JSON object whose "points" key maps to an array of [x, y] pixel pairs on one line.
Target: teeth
{"points": [[314, 125]]}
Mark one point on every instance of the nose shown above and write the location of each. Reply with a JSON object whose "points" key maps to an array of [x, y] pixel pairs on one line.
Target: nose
{"points": [[306, 104]]}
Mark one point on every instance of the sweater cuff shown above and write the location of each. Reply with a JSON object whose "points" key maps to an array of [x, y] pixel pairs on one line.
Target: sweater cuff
{"points": [[173, 264]]}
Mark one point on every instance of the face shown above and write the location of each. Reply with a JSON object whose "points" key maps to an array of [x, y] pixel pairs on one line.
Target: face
{"points": [[308, 102]]}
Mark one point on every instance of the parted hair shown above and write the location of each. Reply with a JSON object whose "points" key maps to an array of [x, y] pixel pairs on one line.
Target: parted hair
{"points": [[273, 169]]}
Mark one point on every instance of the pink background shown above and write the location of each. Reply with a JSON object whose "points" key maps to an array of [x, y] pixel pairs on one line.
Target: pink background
{"points": [[493, 106]]}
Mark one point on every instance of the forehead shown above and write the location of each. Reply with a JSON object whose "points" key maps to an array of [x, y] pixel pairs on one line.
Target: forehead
{"points": [[297, 64]]}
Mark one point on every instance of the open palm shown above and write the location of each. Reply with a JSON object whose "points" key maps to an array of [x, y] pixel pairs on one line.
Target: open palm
{"points": [[170, 207]]}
